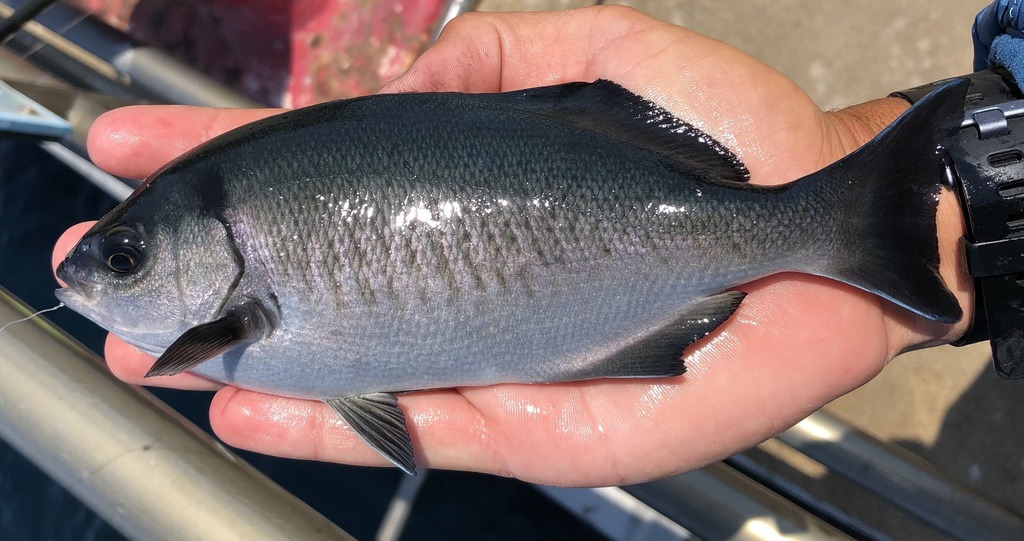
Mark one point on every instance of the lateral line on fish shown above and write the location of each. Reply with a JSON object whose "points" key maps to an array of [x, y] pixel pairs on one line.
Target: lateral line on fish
{"points": [[24, 319]]}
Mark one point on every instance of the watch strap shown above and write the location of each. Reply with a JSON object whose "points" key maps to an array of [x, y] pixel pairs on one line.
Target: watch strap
{"points": [[986, 169]]}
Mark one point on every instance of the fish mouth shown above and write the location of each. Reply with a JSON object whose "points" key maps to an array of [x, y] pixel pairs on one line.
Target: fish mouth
{"points": [[143, 340], [81, 303], [65, 294], [65, 272], [73, 300]]}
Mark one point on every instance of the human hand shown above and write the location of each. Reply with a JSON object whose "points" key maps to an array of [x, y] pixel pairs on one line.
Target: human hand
{"points": [[795, 343]]}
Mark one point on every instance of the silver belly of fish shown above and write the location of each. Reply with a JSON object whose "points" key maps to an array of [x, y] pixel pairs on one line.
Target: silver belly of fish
{"points": [[566, 330]]}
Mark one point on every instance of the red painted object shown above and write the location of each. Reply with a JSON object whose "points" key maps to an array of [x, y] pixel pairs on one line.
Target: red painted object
{"points": [[283, 52]]}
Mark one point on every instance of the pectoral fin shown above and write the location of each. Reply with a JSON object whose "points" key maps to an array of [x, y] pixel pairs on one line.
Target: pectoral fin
{"points": [[241, 325], [380, 422], [657, 352]]}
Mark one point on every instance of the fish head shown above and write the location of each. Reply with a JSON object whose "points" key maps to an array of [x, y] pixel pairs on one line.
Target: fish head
{"points": [[150, 276]]}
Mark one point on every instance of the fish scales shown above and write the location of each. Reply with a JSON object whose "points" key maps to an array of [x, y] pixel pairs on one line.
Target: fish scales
{"points": [[539, 206], [537, 202]]}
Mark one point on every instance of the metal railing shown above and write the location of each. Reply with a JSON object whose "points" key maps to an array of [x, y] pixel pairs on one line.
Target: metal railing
{"points": [[145, 469], [83, 50], [903, 479]]}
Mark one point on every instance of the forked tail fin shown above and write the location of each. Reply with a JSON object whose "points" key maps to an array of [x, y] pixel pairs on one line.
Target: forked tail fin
{"points": [[886, 195]]}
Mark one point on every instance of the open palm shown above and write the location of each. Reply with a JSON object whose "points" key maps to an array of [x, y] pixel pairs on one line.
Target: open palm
{"points": [[794, 344]]}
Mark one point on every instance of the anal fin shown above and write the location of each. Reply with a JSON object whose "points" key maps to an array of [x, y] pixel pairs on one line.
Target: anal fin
{"points": [[657, 353], [380, 423], [241, 325]]}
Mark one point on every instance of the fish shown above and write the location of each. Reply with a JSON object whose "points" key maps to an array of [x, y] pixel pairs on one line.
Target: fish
{"points": [[356, 250]]}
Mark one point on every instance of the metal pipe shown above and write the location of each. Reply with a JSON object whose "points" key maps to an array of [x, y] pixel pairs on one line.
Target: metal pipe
{"points": [[903, 479], [719, 503], [142, 467], [803, 498], [80, 108], [173, 82], [617, 514], [451, 10], [55, 55], [78, 47], [98, 177], [16, 20], [397, 515]]}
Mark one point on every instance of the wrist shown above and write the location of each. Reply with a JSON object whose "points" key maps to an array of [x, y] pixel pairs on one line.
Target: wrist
{"points": [[852, 127]]}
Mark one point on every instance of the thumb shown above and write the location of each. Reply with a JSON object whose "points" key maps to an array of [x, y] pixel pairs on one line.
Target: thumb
{"points": [[492, 52]]}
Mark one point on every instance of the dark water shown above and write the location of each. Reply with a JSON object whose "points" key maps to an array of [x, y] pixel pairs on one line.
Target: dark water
{"points": [[39, 199]]}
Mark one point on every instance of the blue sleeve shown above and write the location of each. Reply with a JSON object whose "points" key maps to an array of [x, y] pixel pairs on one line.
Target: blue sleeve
{"points": [[1002, 17]]}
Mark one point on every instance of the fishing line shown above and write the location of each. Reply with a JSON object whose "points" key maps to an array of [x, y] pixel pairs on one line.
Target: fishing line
{"points": [[43, 311]]}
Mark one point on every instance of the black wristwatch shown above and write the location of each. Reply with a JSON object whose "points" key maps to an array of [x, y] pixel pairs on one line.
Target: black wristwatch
{"points": [[986, 169]]}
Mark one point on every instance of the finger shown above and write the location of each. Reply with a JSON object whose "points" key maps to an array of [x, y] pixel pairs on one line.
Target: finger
{"points": [[442, 424], [486, 52], [130, 364], [135, 141], [491, 52]]}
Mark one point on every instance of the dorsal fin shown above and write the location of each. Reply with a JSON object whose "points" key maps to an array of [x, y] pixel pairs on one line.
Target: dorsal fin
{"points": [[611, 110]]}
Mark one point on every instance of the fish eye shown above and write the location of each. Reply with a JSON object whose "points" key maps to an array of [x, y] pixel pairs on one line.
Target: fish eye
{"points": [[121, 250]]}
